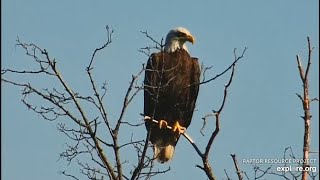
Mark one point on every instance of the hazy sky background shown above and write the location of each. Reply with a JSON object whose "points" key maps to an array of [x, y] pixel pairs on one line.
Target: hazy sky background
{"points": [[262, 112]]}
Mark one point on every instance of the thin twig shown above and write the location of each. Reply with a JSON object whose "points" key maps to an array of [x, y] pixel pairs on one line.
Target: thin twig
{"points": [[109, 40]]}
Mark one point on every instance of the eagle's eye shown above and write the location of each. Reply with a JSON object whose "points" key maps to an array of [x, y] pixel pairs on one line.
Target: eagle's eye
{"points": [[181, 34]]}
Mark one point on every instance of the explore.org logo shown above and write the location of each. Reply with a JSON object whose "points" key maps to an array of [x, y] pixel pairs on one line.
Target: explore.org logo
{"points": [[285, 164]]}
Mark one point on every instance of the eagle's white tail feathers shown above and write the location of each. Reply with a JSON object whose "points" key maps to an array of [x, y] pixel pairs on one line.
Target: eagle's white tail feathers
{"points": [[163, 153]]}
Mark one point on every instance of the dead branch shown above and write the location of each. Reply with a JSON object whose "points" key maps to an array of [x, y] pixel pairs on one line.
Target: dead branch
{"points": [[84, 132], [205, 156], [109, 40], [137, 171], [69, 175], [305, 99], [236, 165], [225, 172], [161, 45], [237, 58], [205, 119]]}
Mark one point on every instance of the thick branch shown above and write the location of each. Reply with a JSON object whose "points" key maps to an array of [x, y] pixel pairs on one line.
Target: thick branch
{"points": [[206, 165], [217, 114], [306, 107]]}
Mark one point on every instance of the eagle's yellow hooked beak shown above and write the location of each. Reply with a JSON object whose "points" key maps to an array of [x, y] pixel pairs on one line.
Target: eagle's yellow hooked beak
{"points": [[191, 39]]}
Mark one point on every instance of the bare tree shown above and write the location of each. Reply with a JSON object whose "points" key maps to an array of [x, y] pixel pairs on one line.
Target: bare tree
{"points": [[306, 100], [303, 169], [206, 166], [87, 131], [95, 152]]}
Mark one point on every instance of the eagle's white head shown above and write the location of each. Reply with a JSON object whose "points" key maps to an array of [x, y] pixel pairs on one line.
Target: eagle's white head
{"points": [[176, 39]]}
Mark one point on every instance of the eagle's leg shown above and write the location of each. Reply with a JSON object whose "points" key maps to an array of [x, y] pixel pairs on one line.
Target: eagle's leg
{"points": [[177, 128], [163, 124]]}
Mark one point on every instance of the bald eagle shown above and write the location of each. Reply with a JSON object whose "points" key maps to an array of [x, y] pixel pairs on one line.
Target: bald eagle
{"points": [[171, 87]]}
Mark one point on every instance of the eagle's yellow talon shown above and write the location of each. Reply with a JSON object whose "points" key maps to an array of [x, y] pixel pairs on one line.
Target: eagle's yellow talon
{"points": [[163, 124], [177, 128]]}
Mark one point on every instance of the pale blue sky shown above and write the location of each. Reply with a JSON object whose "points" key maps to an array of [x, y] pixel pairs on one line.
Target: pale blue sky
{"points": [[262, 113]]}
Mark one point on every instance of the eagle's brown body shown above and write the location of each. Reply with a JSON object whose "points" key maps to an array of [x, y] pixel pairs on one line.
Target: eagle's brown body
{"points": [[171, 89]]}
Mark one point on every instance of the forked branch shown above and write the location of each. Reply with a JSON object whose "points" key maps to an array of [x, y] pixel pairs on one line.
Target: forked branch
{"points": [[306, 100]]}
